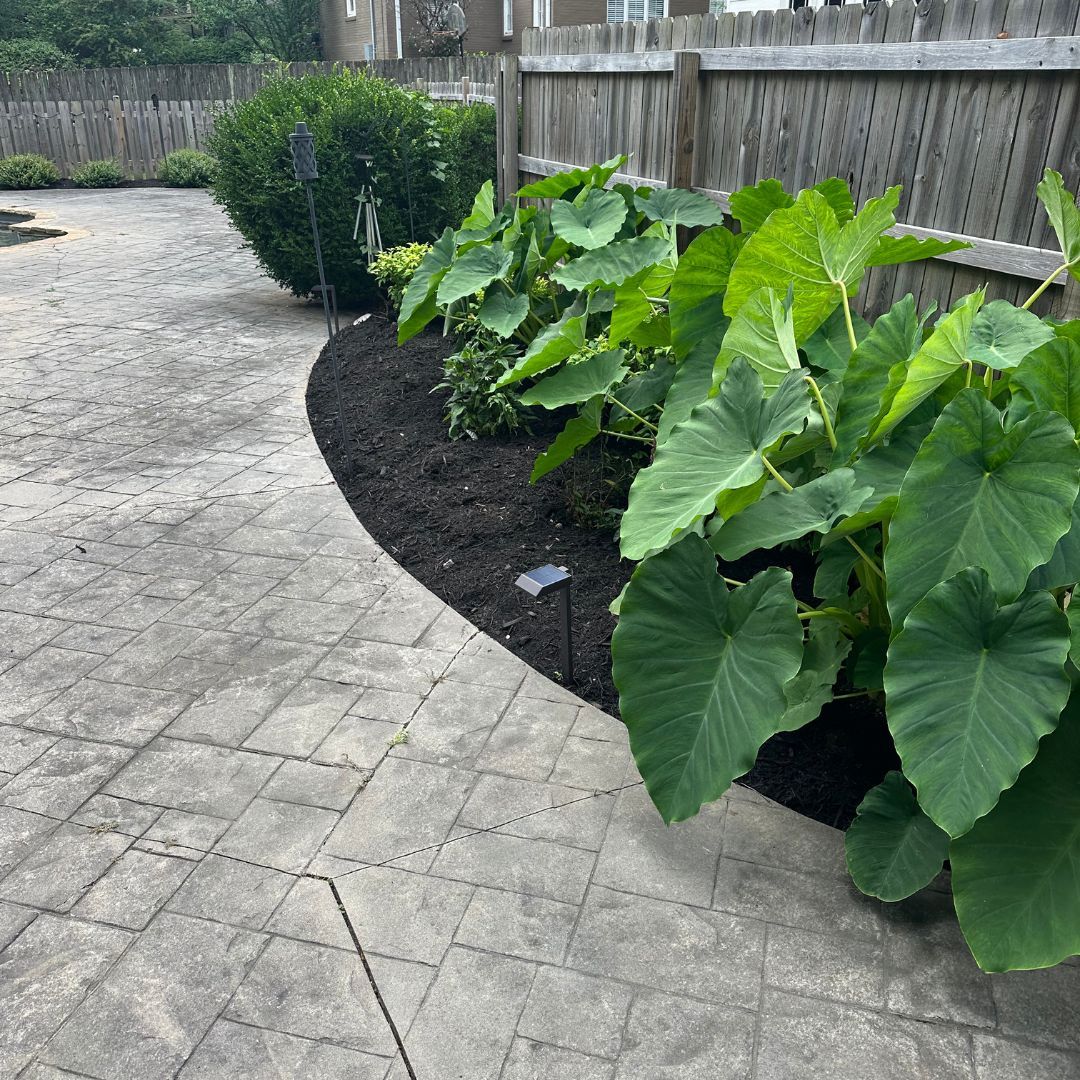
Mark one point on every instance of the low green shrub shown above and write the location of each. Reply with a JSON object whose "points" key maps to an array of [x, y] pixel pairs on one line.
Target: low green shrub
{"points": [[394, 268], [414, 145], [475, 408], [33, 54], [24, 171], [98, 174], [188, 168]]}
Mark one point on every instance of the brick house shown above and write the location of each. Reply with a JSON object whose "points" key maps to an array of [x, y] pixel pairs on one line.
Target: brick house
{"points": [[494, 25]]}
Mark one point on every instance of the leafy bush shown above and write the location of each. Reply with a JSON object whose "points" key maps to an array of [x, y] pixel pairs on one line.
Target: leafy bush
{"points": [[394, 267], [188, 168], [24, 171], [98, 174], [33, 54], [932, 470], [475, 408], [349, 113]]}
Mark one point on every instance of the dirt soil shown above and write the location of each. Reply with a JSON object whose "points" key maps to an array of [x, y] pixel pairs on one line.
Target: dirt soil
{"points": [[463, 519]]}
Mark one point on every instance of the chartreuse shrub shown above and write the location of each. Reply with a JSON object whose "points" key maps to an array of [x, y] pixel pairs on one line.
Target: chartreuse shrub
{"points": [[393, 268], [930, 466], [21, 172], [98, 174], [418, 152]]}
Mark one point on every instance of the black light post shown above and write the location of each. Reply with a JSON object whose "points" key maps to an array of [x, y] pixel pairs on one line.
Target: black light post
{"points": [[548, 579], [155, 101], [302, 144]]}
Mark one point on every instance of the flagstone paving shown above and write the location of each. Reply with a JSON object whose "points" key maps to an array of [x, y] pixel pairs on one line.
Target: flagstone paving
{"points": [[217, 857]]}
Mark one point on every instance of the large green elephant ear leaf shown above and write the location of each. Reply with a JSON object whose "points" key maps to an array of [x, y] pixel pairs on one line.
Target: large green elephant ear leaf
{"points": [[970, 689], [696, 297], [787, 515], [812, 688], [893, 849], [502, 312], [942, 354], [805, 247], [829, 347], [701, 671], [751, 206], [762, 332], [557, 185], [1014, 876], [589, 222], [718, 448], [892, 250], [976, 495], [579, 431], [612, 264], [578, 382], [677, 206], [418, 305], [1048, 380], [473, 271], [691, 386], [552, 345], [894, 338], [1064, 217], [1002, 335]]}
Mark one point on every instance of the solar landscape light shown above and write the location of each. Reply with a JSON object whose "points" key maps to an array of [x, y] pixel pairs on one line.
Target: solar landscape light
{"points": [[306, 170], [543, 581]]}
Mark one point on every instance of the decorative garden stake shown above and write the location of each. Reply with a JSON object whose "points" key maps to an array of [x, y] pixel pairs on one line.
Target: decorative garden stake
{"points": [[156, 102], [548, 579], [366, 207], [302, 145]]}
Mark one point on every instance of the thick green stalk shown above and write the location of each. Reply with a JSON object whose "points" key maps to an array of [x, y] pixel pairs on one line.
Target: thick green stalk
{"points": [[1064, 267], [815, 390], [640, 419], [775, 475], [848, 324]]}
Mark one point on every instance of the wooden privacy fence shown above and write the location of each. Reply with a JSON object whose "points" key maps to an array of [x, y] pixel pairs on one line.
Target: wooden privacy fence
{"points": [[139, 115], [963, 102]]}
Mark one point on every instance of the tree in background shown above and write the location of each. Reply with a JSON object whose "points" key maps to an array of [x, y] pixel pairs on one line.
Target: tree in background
{"points": [[435, 35], [279, 29]]}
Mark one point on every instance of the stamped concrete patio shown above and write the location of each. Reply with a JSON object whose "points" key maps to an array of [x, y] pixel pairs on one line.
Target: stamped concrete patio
{"points": [[217, 857]]}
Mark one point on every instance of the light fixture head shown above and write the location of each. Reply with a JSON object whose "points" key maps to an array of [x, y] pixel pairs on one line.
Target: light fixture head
{"points": [[302, 145], [544, 580]]}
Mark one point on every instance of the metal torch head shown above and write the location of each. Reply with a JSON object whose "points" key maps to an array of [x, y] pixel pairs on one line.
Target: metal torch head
{"points": [[302, 145]]}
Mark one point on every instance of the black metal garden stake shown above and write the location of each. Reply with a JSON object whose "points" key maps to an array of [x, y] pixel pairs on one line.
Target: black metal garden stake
{"points": [[302, 144], [155, 101], [543, 581]]}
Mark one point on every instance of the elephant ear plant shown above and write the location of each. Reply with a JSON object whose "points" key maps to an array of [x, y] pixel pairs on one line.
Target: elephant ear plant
{"points": [[933, 472]]}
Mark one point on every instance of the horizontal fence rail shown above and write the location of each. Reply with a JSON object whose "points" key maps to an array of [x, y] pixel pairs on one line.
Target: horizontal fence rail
{"points": [[963, 103], [137, 116]]}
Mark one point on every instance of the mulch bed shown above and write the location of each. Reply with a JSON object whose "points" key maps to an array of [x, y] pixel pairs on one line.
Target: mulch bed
{"points": [[463, 519]]}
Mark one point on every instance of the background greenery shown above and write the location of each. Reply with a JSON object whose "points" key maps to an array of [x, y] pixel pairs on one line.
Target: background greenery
{"points": [[410, 139]]}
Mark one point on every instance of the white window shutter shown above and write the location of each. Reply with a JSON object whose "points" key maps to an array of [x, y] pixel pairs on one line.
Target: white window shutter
{"points": [[635, 10]]}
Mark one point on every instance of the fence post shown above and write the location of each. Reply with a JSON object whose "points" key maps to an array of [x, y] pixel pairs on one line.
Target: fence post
{"points": [[464, 89], [684, 99], [506, 125]]}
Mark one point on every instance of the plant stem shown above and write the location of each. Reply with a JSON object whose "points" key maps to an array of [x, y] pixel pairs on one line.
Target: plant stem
{"points": [[775, 475], [847, 697], [868, 559], [848, 324], [988, 382], [626, 408], [623, 435], [1044, 286], [967, 377], [815, 390]]}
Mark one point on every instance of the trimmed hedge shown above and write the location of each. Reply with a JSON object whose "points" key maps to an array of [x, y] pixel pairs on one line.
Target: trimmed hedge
{"points": [[427, 158], [21, 172], [187, 168], [98, 174]]}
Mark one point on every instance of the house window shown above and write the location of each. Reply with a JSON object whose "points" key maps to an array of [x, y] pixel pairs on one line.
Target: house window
{"points": [[542, 13], [508, 18], [350, 9], [635, 10]]}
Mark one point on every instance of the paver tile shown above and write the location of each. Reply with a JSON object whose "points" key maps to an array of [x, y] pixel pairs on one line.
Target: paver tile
{"points": [[328, 786], [282, 835], [133, 890], [59, 781], [232, 892], [537, 1061]]}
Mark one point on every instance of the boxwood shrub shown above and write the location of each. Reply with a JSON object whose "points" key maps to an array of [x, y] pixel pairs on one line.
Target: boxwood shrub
{"points": [[187, 168], [428, 160], [98, 174], [20, 172]]}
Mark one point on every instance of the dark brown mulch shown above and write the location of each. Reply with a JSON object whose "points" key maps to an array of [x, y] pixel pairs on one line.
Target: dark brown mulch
{"points": [[463, 519]]}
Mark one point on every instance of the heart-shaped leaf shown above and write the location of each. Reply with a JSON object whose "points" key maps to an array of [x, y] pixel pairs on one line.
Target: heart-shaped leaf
{"points": [[473, 271], [554, 187], [579, 431], [892, 250], [751, 206], [696, 298], [418, 305], [942, 354], [502, 312], [612, 264], [691, 386], [1063, 567], [812, 688], [804, 246], [593, 223], [552, 345], [1064, 216], [893, 849], [701, 671], [719, 447], [1014, 875], [787, 515], [1048, 380], [761, 332], [677, 206], [645, 390], [971, 688], [969, 485], [579, 381], [1002, 335]]}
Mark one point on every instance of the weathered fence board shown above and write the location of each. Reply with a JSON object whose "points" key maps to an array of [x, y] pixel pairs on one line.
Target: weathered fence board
{"points": [[962, 102], [138, 115]]}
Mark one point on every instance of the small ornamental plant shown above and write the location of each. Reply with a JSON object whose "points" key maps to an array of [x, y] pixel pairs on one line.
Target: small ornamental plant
{"points": [[22, 172], [98, 174], [928, 462], [187, 168], [393, 269]]}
